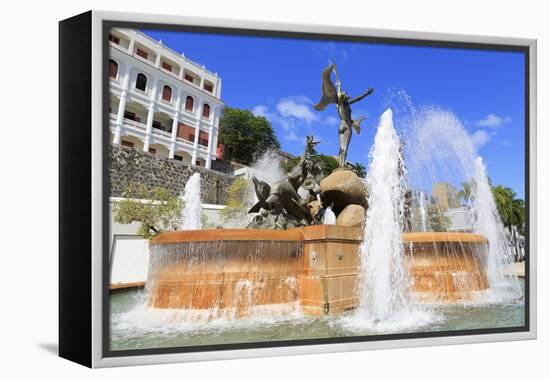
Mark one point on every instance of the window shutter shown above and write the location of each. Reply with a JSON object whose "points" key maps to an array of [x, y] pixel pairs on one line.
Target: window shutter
{"points": [[141, 53], [167, 93], [189, 102], [206, 111]]}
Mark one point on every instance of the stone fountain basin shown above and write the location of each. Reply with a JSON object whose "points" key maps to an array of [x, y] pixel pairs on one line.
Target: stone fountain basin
{"points": [[315, 266]]}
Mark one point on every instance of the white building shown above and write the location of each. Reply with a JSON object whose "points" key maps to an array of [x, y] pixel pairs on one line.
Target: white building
{"points": [[161, 102]]}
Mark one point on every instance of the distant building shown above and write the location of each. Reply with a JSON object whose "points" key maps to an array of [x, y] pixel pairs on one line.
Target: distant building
{"points": [[160, 101], [285, 156], [446, 196]]}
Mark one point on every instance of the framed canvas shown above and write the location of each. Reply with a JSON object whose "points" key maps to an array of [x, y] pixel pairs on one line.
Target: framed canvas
{"points": [[345, 189]]}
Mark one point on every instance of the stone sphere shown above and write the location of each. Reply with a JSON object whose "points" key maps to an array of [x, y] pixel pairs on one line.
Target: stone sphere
{"points": [[342, 188], [352, 215]]}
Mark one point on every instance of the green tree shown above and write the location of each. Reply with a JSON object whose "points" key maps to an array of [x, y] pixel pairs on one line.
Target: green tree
{"points": [[290, 164], [510, 208], [328, 163], [437, 219], [236, 206], [154, 208], [518, 211], [360, 170], [504, 198], [205, 224], [245, 136], [466, 192]]}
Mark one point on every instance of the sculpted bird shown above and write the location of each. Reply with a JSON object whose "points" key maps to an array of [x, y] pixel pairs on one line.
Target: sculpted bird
{"points": [[329, 93], [283, 197]]}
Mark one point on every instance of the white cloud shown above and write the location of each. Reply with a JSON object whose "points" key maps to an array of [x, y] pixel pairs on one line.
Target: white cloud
{"points": [[331, 121], [285, 123], [490, 127], [274, 117], [297, 107], [480, 138], [493, 121], [260, 110], [294, 118], [291, 136]]}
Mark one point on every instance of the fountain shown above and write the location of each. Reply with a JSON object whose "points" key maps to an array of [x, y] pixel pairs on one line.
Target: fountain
{"points": [[326, 245], [329, 217], [208, 269], [422, 210], [383, 277], [191, 213], [487, 222], [438, 149]]}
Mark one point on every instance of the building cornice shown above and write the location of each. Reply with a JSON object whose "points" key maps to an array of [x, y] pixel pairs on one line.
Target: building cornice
{"points": [[191, 89]]}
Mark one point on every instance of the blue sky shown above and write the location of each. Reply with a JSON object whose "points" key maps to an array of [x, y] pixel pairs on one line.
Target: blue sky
{"points": [[280, 78]]}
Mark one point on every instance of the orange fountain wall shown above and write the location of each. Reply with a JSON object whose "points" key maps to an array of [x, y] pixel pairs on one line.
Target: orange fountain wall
{"points": [[315, 266]]}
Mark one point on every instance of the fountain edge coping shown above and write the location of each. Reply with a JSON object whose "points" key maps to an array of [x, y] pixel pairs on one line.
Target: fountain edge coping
{"points": [[307, 233]]}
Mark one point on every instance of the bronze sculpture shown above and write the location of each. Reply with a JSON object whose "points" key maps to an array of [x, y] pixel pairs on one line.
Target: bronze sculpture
{"points": [[279, 206], [335, 95]]}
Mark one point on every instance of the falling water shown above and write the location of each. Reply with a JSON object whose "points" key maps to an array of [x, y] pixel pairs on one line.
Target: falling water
{"points": [[423, 210], [191, 213], [439, 149], [268, 167], [488, 223], [329, 217], [219, 282], [384, 280]]}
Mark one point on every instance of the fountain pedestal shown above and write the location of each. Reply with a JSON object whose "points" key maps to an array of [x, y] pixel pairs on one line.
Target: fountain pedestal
{"points": [[443, 267], [331, 262]]}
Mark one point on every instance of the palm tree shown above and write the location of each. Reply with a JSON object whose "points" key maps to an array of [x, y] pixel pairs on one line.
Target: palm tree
{"points": [[504, 199], [518, 214], [360, 170], [466, 193], [512, 214]]}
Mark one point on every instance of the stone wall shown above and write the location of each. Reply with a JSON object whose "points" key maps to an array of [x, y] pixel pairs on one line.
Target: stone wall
{"points": [[222, 166], [128, 165]]}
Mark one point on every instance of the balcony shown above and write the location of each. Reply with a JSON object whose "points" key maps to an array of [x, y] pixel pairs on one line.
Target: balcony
{"points": [[171, 73], [136, 124], [184, 142], [145, 60], [161, 133], [158, 136], [118, 46]]}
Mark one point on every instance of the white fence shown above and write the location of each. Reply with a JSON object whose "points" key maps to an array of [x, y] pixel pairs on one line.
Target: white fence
{"points": [[129, 256], [129, 261]]}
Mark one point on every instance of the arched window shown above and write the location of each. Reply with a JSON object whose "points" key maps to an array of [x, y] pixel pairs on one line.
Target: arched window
{"points": [[206, 111], [189, 103], [141, 82], [167, 93], [113, 69]]}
